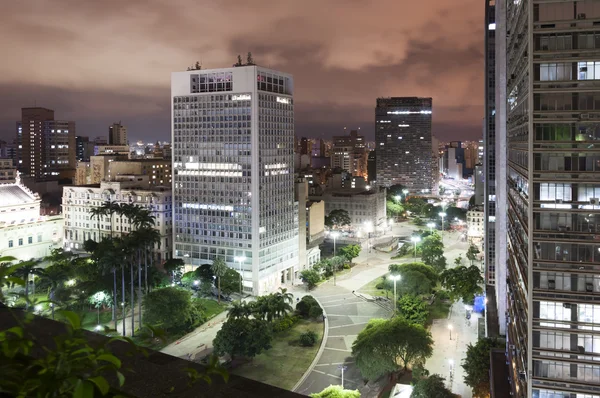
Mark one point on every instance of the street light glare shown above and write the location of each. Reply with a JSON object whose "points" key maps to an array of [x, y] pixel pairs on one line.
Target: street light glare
{"points": [[334, 234], [450, 327], [395, 277], [415, 239], [442, 214]]}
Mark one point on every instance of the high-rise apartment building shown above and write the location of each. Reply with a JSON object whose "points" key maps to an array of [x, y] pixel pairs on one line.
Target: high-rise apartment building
{"points": [[46, 147], [350, 153], [551, 59], [82, 145], [117, 134], [233, 179], [403, 139], [489, 142]]}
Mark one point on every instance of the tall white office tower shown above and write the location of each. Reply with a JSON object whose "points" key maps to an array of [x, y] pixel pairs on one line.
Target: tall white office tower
{"points": [[233, 178], [549, 52]]}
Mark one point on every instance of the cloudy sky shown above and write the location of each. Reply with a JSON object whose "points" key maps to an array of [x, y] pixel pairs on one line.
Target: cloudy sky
{"points": [[101, 61]]}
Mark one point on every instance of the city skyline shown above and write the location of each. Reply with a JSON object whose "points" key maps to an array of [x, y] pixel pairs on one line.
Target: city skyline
{"points": [[93, 77]]}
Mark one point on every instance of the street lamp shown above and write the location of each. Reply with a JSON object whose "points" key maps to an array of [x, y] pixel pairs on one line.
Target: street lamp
{"points": [[450, 329], [398, 198], [240, 260], [442, 214], [334, 235], [368, 230], [395, 278], [431, 225], [415, 240]]}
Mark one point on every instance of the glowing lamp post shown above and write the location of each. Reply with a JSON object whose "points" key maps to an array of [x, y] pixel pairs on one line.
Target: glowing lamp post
{"points": [[334, 235], [430, 225], [450, 329], [442, 214], [415, 240]]}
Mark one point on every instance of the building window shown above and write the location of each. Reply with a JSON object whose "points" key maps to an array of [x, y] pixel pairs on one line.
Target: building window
{"points": [[10, 243], [20, 241]]}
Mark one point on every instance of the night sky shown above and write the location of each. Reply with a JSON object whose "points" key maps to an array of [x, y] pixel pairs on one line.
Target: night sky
{"points": [[99, 61]]}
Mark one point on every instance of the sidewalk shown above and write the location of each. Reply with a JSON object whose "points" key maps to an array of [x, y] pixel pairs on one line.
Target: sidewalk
{"points": [[197, 344], [448, 354]]}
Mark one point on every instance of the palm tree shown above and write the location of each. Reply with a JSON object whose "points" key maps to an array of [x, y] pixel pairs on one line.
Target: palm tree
{"points": [[218, 268], [282, 303], [240, 310], [110, 207], [108, 255], [56, 275], [25, 269], [98, 213]]}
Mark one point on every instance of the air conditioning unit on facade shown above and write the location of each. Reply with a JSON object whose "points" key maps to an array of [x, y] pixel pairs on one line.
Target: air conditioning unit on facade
{"points": [[595, 201]]}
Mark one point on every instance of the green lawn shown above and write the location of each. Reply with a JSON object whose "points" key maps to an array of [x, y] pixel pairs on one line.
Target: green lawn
{"points": [[285, 363], [212, 308], [371, 289]]}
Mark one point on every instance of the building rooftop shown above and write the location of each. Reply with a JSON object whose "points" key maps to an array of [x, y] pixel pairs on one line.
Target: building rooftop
{"points": [[16, 194], [155, 375]]}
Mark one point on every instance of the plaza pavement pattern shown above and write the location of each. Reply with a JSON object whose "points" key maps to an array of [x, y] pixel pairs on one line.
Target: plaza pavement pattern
{"points": [[347, 316]]}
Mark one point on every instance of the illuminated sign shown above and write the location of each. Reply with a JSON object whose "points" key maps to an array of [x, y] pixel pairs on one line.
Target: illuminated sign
{"points": [[409, 112], [282, 100], [404, 125], [241, 97]]}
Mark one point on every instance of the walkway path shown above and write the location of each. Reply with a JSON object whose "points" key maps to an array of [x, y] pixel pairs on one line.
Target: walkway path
{"points": [[347, 316]]}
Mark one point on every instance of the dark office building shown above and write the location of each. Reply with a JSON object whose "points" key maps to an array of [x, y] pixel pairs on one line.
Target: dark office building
{"points": [[403, 142], [82, 148], [372, 166]]}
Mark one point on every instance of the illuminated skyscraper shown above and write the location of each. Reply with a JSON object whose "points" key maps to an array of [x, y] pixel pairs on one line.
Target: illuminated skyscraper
{"points": [[233, 179]]}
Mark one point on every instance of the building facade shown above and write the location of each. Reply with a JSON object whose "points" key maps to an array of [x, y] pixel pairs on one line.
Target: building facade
{"points": [[82, 148], [475, 225], [405, 152], [46, 147], [8, 171], [78, 201], [350, 153], [364, 206], [158, 170], [553, 193], [489, 144], [117, 134], [233, 172], [25, 233]]}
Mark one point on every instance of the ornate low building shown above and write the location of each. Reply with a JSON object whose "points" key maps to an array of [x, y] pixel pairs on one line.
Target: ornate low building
{"points": [[24, 233], [78, 201]]}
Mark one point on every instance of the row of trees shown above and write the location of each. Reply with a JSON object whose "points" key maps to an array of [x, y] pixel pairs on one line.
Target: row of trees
{"points": [[328, 267]]}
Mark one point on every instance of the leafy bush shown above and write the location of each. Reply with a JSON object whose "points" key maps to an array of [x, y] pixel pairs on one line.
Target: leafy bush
{"points": [[310, 277], [171, 308], [346, 266], [442, 295], [285, 323], [303, 307], [315, 311], [308, 339]]}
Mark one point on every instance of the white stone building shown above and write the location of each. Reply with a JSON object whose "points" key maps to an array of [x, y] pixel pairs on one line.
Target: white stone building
{"points": [[475, 225], [24, 234], [233, 172], [78, 201]]}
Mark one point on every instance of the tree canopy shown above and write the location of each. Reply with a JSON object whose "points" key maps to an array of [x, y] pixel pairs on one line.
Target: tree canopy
{"points": [[477, 365], [472, 253], [386, 346], [337, 217], [432, 252], [336, 392], [431, 387], [243, 337], [413, 309], [463, 282], [423, 268], [170, 308], [230, 282], [393, 208], [350, 252]]}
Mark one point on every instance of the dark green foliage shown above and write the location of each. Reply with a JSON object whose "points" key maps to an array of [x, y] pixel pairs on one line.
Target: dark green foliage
{"points": [[432, 252], [337, 217], [303, 307], [311, 277], [315, 312], [442, 295], [423, 268], [472, 253], [477, 365], [285, 323], [171, 308], [188, 279], [204, 273], [386, 346], [230, 282], [273, 306], [308, 338], [463, 282], [393, 208], [453, 212], [350, 252], [418, 221], [413, 309], [431, 387], [243, 337]]}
